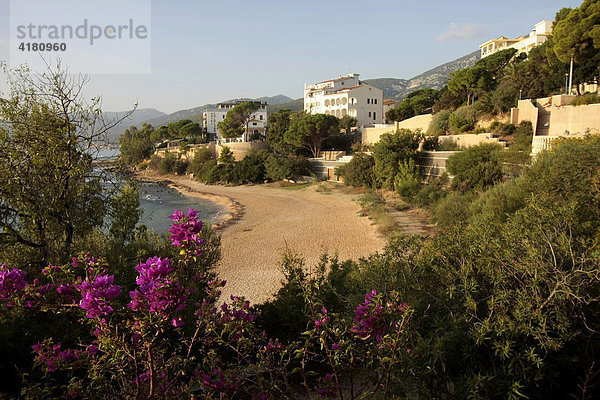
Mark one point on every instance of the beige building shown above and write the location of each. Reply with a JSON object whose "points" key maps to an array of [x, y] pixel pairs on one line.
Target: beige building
{"points": [[523, 44], [346, 95], [256, 125]]}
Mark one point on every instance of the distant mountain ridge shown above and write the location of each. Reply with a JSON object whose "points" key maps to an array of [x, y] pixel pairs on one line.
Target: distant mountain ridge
{"points": [[137, 118], [195, 114], [393, 88], [435, 78]]}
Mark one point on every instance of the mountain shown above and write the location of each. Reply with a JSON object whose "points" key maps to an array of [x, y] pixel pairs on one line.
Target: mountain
{"points": [[294, 105], [434, 78], [137, 117], [195, 114]]}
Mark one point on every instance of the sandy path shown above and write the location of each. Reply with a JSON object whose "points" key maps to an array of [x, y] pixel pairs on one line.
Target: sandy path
{"points": [[273, 219]]}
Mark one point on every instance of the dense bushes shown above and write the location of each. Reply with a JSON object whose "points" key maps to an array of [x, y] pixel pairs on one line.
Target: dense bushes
{"points": [[359, 171], [462, 120], [278, 168], [477, 167], [390, 151]]}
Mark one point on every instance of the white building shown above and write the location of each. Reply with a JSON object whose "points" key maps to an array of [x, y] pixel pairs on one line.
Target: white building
{"points": [[346, 95], [523, 44], [256, 126]]}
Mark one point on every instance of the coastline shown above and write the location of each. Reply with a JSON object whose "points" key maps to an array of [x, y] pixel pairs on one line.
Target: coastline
{"points": [[261, 223], [233, 211]]}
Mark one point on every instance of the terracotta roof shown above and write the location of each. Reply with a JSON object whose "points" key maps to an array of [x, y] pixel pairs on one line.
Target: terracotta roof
{"points": [[349, 88], [389, 101]]}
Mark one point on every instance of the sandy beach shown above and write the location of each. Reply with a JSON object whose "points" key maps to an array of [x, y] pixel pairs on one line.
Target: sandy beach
{"points": [[262, 221]]}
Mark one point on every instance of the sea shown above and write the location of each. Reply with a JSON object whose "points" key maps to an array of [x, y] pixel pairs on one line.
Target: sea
{"points": [[158, 201]]}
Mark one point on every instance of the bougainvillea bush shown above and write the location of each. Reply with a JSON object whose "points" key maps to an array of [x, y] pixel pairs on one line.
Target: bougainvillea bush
{"points": [[172, 335]]}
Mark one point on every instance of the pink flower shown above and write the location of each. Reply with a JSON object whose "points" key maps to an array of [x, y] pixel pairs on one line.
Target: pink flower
{"points": [[11, 281]]}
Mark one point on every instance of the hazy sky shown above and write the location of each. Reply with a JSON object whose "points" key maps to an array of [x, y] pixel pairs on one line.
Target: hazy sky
{"points": [[208, 51]]}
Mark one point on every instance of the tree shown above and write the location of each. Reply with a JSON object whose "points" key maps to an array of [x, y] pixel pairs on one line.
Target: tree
{"points": [[136, 145], [347, 123], [279, 123], [310, 131], [390, 151], [235, 123], [226, 156], [577, 35], [50, 194]]}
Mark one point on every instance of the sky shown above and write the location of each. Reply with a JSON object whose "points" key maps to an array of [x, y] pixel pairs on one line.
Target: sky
{"points": [[209, 51]]}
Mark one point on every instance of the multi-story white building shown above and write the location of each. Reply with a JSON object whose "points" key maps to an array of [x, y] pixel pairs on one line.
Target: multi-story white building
{"points": [[346, 95], [523, 44], [256, 126]]}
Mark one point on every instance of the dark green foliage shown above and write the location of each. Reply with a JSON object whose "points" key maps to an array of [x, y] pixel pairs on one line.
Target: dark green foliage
{"points": [[180, 167], [250, 170], [211, 172], [477, 167], [279, 123], [390, 151], [347, 123], [416, 103], [453, 210], [431, 193], [359, 171], [167, 164], [448, 100], [226, 157], [343, 142], [136, 145], [430, 143], [407, 182], [236, 121], [201, 157], [505, 96], [310, 131], [278, 168]]}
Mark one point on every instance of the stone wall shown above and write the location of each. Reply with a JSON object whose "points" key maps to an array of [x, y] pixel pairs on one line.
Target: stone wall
{"points": [[241, 149], [470, 140], [372, 135]]}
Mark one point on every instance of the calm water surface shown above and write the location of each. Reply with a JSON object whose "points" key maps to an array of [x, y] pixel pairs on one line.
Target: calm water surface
{"points": [[158, 201]]}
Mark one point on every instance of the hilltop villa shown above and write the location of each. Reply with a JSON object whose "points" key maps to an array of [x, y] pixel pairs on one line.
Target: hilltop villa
{"points": [[256, 125], [523, 44], [345, 95]]}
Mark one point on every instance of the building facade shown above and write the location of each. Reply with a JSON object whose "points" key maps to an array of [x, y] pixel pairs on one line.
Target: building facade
{"points": [[346, 95], [523, 44], [256, 126]]}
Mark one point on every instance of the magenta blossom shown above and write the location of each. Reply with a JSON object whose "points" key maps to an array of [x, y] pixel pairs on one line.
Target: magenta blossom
{"points": [[95, 295], [11, 281], [185, 231]]}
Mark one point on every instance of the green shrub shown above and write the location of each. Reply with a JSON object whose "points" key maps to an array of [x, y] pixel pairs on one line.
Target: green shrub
{"points": [[167, 164], [250, 170], [201, 157], [278, 168], [507, 129], [440, 123], [211, 172], [588, 98], [477, 167], [407, 181], [431, 193], [180, 167], [463, 119], [359, 171], [390, 151], [453, 210]]}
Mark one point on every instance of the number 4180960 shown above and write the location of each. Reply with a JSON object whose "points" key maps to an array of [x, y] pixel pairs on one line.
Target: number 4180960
{"points": [[42, 46]]}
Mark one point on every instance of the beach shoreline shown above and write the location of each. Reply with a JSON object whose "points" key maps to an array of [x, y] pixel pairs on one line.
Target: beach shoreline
{"points": [[260, 223]]}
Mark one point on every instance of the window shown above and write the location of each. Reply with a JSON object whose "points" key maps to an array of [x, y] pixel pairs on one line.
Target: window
{"points": [[369, 114], [254, 124], [261, 117], [374, 115], [369, 102], [375, 101]]}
